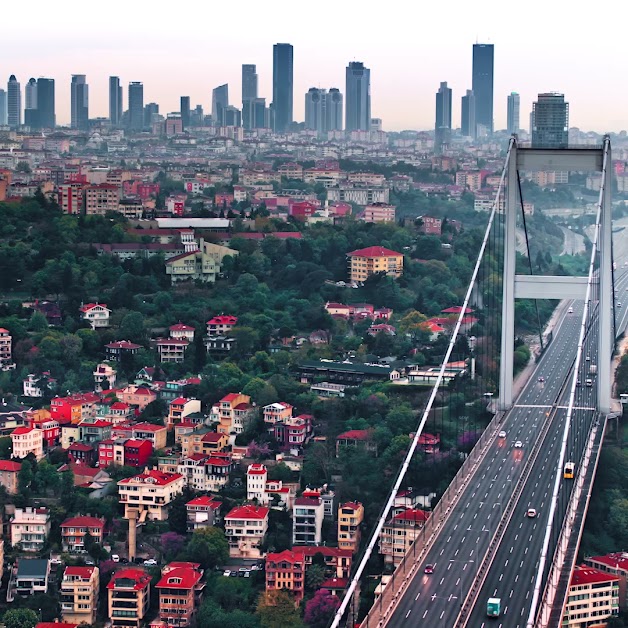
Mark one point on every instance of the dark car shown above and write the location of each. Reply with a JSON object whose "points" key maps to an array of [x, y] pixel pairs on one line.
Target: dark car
{"points": [[429, 569], [541, 379]]}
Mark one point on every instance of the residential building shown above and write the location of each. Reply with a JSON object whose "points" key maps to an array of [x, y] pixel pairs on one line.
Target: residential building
{"points": [[467, 107], [219, 344], [129, 598], [245, 528], [337, 561], [96, 314], [42, 420], [79, 102], [592, 598], [358, 194], [27, 440], [9, 470], [202, 440], [202, 512], [375, 259], [551, 121], [118, 350], [124, 452], [615, 563], [180, 591], [282, 87], [286, 570], [203, 263], [151, 491], [181, 331], [79, 594], [180, 408], [294, 431], [267, 492], [74, 529], [29, 528], [378, 212], [74, 408], [233, 413], [276, 413], [6, 344], [221, 325], [93, 430], [139, 396], [482, 86], [104, 377], [358, 97], [350, 517], [101, 198], [156, 434], [399, 532], [70, 198], [512, 114], [307, 518], [38, 385], [171, 349], [356, 439], [28, 577]]}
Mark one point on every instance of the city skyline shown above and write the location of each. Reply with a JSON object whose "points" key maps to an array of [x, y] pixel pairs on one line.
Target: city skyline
{"points": [[402, 83]]}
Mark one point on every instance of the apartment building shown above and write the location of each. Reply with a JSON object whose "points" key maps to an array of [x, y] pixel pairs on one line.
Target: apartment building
{"points": [[398, 534], [221, 325], [378, 212], [79, 594], [101, 198], [9, 470], [202, 512], [129, 598], [592, 598], [350, 517], [151, 491], [6, 344], [29, 528], [202, 440], [286, 570], [171, 349], [307, 518], [232, 413], [74, 529], [374, 259], [179, 408], [180, 590], [96, 314], [277, 412], [615, 563], [245, 528], [27, 440]]}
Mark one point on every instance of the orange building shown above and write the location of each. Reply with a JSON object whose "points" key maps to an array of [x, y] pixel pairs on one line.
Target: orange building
{"points": [[129, 598], [286, 570], [350, 517], [180, 589], [375, 259]]}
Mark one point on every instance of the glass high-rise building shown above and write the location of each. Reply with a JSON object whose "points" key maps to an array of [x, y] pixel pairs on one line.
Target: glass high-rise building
{"points": [[482, 86], [46, 103], [136, 106], [185, 111], [315, 109], [442, 125], [260, 114], [282, 87], [467, 118], [31, 115], [512, 114], [358, 95], [151, 113], [334, 110], [115, 101], [249, 93], [220, 100], [79, 102], [14, 102], [3, 107], [550, 121]]}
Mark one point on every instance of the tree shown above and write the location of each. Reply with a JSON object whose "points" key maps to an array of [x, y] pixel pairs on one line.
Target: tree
{"points": [[132, 327], [276, 609], [6, 447], [20, 618], [319, 610], [281, 472], [209, 547], [172, 543], [155, 412], [25, 477], [314, 577]]}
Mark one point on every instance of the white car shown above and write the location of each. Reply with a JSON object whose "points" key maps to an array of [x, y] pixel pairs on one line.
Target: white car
{"points": [[531, 513], [570, 310], [226, 572], [151, 562], [502, 434], [518, 444]]}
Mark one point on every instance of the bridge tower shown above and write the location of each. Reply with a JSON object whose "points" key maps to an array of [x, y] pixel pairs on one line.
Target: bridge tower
{"points": [[516, 286]]}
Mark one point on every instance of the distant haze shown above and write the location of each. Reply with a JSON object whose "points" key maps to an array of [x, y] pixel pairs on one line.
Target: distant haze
{"points": [[189, 48]]}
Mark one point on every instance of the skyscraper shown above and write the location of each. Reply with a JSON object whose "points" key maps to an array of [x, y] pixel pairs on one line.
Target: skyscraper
{"points": [[136, 106], [79, 102], [249, 93], [260, 114], [31, 115], [115, 101], [220, 100], [185, 111], [282, 87], [14, 102], [3, 107], [482, 85], [151, 114], [46, 103], [512, 118], [442, 126], [315, 109], [231, 116], [467, 122], [358, 95], [334, 110], [550, 118]]}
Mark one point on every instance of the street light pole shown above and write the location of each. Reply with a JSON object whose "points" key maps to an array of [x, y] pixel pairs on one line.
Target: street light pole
{"points": [[453, 560]]}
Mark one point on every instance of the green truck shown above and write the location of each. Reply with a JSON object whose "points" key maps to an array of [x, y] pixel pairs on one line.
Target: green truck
{"points": [[493, 607]]}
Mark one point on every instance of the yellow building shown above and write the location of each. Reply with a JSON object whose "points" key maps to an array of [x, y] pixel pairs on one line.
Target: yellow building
{"points": [[233, 413], [375, 259], [592, 598], [151, 491], [350, 517], [203, 262], [129, 598], [79, 594]]}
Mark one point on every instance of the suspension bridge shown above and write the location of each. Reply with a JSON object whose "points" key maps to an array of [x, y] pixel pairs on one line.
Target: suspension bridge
{"points": [[509, 524]]}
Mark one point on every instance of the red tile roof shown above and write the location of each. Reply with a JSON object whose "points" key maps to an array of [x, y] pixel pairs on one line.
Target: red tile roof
{"points": [[141, 578], [352, 505], [22, 430], [82, 572], [230, 397], [248, 511], [147, 427], [616, 560], [91, 306], [256, 469], [355, 435], [179, 401], [53, 624], [374, 251], [83, 521], [411, 514], [204, 500], [307, 501], [160, 478], [181, 327], [288, 556], [184, 578], [456, 309], [335, 583], [10, 465], [172, 341], [80, 447], [588, 575], [123, 344], [223, 319], [212, 437]]}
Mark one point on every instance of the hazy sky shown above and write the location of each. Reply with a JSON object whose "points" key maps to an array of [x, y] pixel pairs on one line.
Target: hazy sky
{"points": [[188, 48]]}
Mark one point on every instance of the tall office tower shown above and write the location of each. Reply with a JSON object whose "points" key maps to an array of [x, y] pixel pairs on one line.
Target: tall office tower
{"points": [[136, 106], [46, 103], [79, 102], [260, 114], [333, 110], [531, 121], [115, 101], [482, 85], [315, 109], [551, 121], [151, 114], [185, 111], [231, 116], [3, 107], [249, 93], [220, 100], [282, 87], [198, 116], [512, 118], [442, 126], [467, 122], [14, 102], [358, 95], [31, 115]]}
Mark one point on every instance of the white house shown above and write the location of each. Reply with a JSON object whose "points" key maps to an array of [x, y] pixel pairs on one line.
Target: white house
{"points": [[96, 314]]}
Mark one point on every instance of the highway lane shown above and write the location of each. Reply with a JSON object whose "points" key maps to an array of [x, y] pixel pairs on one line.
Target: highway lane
{"points": [[437, 597]]}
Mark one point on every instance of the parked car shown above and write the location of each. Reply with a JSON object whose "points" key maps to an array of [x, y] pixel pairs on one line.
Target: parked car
{"points": [[150, 562], [226, 572]]}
